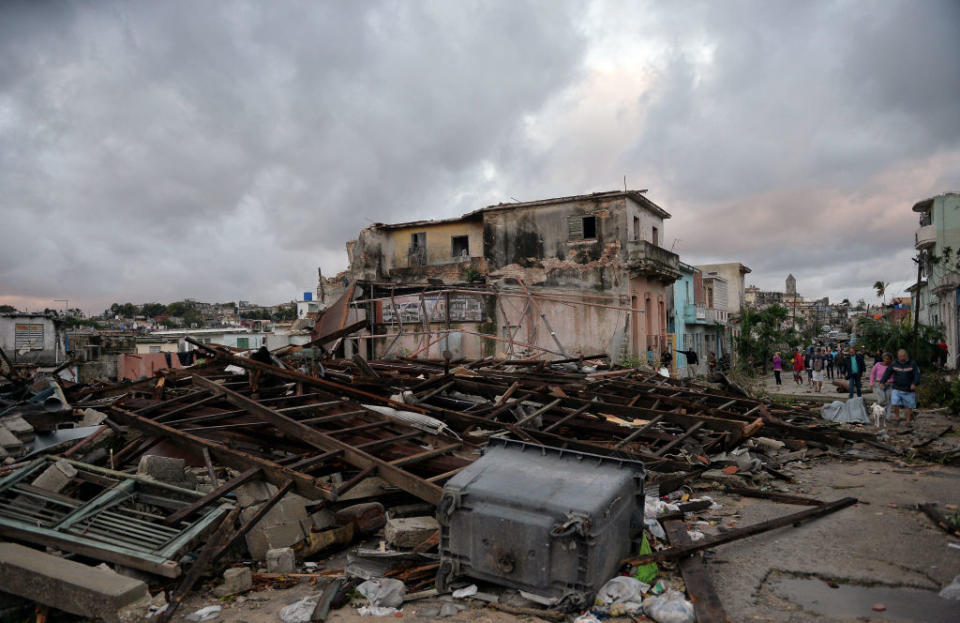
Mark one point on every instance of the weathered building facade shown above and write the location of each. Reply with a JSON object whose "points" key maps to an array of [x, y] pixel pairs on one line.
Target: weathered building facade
{"points": [[937, 240], [568, 276], [32, 338]]}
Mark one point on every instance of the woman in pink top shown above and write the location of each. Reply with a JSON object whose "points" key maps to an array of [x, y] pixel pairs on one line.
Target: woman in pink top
{"points": [[880, 391], [777, 367]]}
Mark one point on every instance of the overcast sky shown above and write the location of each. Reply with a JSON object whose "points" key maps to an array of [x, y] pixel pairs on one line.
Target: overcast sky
{"points": [[151, 151]]}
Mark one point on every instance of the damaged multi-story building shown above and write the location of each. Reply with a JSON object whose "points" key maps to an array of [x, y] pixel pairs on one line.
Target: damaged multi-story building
{"points": [[570, 276]]}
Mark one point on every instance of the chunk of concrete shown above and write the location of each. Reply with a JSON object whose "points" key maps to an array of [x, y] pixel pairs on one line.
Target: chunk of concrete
{"points": [[167, 469], [254, 492], [92, 417], [235, 580], [323, 519], [281, 560], [55, 477], [67, 585], [19, 427], [9, 441], [408, 532]]}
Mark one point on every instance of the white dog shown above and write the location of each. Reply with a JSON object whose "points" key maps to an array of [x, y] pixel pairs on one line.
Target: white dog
{"points": [[879, 414]]}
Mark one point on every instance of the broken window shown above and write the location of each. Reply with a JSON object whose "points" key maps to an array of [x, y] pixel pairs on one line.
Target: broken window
{"points": [[418, 240], [460, 246], [417, 254], [582, 227], [655, 238], [636, 228]]}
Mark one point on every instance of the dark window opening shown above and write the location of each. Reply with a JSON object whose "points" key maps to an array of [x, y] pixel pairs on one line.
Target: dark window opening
{"points": [[418, 240], [460, 246], [656, 237], [636, 228], [589, 227]]}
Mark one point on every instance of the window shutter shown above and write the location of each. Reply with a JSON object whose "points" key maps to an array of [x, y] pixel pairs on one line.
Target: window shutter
{"points": [[575, 227]]}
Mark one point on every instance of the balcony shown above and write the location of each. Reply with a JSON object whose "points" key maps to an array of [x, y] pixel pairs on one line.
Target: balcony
{"points": [[646, 258], [926, 236], [694, 313]]}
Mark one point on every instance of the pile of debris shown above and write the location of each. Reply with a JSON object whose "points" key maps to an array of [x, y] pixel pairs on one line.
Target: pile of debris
{"points": [[539, 488]]}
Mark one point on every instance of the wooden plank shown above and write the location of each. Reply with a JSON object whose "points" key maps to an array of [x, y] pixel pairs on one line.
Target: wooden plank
{"points": [[675, 553], [307, 486], [706, 602], [358, 458]]}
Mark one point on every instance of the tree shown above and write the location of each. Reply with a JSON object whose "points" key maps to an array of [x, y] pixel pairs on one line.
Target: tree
{"points": [[875, 335], [115, 309], [152, 310], [7, 309], [881, 289]]}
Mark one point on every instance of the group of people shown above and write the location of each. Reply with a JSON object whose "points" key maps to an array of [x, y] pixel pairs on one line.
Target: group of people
{"points": [[894, 383]]}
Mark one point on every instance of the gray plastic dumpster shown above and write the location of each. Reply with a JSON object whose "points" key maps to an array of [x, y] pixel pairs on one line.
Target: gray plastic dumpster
{"points": [[549, 521]]}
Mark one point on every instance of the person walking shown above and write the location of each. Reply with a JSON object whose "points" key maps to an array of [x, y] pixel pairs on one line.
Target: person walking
{"points": [[841, 361], [817, 364], [905, 375], [650, 361], [777, 368], [798, 367], [712, 362], [882, 391], [808, 364], [853, 363], [829, 360]]}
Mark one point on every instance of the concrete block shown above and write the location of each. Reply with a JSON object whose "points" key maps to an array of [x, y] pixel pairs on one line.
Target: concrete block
{"points": [[254, 493], [408, 532], [55, 477], [21, 429], [281, 560], [235, 580], [166, 469], [264, 537], [67, 585], [368, 488], [9, 441]]}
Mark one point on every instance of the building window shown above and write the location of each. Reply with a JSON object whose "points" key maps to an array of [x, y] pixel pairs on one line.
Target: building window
{"points": [[460, 246], [655, 237], [28, 337], [243, 342], [154, 349], [589, 227], [636, 228]]}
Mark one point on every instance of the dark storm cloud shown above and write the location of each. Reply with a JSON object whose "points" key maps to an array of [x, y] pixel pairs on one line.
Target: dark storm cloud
{"points": [[156, 150], [223, 150]]}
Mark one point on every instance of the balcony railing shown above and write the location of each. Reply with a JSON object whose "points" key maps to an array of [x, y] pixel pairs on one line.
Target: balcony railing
{"points": [[646, 258]]}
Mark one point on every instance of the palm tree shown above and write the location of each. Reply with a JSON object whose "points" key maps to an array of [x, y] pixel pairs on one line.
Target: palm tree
{"points": [[881, 289]]}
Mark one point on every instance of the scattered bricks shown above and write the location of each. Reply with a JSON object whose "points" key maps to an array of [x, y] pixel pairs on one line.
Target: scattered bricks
{"points": [[281, 560], [55, 477], [67, 585], [408, 532], [9, 441], [165, 469], [368, 517], [235, 580], [254, 492], [20, 428]]}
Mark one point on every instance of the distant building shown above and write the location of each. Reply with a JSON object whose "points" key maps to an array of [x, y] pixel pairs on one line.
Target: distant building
{"points": [[939, 295], [791, 285]]}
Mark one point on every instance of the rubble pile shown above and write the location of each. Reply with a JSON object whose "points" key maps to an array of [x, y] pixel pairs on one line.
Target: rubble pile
{"points": [[553, 489]]}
